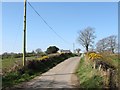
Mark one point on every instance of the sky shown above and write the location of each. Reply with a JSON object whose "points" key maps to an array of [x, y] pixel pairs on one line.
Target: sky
{"points": [[66, 18]]}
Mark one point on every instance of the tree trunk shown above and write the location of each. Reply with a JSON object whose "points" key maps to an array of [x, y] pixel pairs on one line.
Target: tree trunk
{"points": [[113, 51], [87, 48]]}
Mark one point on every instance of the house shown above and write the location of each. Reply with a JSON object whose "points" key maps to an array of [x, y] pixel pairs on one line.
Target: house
{"points": [[64, 51]]}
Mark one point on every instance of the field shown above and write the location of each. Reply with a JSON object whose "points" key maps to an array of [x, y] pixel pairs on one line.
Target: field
{"points": [[9, 63]]}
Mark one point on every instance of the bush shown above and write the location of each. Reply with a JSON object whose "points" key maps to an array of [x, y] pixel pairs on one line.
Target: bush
{"points": [[43, 58], [94, 56], [46, 62], [52, 49]]}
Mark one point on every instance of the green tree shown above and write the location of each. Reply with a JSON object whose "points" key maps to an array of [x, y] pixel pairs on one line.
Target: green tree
{"points": [[52, 49], [38, 50]]}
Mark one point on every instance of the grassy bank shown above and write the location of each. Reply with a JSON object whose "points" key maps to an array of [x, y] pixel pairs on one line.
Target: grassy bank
{"points": [[89, 77], [92, 75], [33, 68]]}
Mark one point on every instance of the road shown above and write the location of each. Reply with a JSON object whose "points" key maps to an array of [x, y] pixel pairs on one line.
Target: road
{"points": [[60, 76]]}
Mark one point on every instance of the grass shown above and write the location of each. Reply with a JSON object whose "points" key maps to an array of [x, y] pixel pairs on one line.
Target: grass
{"points": [[89, 77], [93, 78], [37, 67], [112, 59], [14, 78], [8, 63]]}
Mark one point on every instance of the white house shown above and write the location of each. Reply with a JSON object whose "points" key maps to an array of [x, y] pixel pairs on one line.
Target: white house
{"points": [[64, 51]]}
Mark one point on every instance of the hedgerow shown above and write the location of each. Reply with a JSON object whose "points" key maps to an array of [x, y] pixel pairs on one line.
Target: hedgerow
{"points": [[33, 68]]}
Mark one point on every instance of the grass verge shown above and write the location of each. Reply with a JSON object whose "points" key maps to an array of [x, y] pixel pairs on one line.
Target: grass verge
{"points": [[89, 77]]}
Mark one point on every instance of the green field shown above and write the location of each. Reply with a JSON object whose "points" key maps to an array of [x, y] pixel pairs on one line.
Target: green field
{"points": [[8, 63]]}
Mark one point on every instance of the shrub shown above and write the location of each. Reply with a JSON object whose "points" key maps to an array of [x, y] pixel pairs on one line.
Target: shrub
{"points": [[52, 49], [94, 56], [101, 58], [43, 58]]}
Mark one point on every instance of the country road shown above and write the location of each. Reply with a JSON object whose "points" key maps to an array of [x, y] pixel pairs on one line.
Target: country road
{"points": [[60, 76]]}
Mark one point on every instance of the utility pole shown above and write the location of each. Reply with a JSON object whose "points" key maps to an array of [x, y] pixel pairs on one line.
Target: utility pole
{"points": [[24, 35], [73, 47]]}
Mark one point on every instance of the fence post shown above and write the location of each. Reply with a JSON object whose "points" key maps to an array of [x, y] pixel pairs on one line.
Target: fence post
{"points": [[94, 65], [100, 67], [107, 77]]}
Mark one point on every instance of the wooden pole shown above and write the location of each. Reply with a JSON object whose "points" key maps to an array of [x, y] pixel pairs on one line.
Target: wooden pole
{"points": [[73, 48], [24, 35]]}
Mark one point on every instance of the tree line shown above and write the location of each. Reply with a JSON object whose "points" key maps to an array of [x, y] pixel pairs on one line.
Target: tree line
{"points": [[38, 52], [87, 36]]}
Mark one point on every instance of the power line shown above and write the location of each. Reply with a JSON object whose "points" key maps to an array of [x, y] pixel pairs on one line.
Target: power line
{"points": [[47, 23]]}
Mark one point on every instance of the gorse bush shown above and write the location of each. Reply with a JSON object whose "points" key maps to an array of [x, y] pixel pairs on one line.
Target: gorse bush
{"points": [[43, 58], [94, 56], [100, 59]]}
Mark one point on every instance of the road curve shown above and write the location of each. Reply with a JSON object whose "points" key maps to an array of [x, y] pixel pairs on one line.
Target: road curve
{"points": [[60, 76]]}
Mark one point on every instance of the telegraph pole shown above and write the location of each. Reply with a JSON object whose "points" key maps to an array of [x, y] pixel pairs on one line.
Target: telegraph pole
{"points": [[24, 35], [73, 47]]}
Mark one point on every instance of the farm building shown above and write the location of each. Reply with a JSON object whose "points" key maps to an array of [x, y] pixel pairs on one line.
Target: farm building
{"points": [[64, 51]]}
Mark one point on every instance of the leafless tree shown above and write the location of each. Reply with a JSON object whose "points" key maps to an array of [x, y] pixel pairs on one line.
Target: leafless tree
{"points": [[107, 44], [78, 50], [112, 42], [86, 37], [101, 45]]}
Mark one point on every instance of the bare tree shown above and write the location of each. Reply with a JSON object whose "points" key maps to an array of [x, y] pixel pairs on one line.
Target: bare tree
{"points": [[86, 37], [107, 44], [101, 45], [78, 50], [112, 42]]}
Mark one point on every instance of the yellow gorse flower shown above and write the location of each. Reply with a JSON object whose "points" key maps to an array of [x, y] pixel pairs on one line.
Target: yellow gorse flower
{"points": [[43, 58], [94, 56]]}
